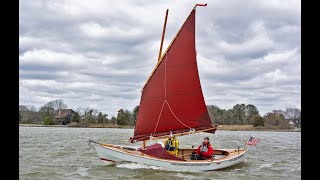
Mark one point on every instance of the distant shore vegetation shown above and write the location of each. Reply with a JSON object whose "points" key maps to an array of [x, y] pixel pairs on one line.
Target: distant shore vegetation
{"points": [[240, 116]]}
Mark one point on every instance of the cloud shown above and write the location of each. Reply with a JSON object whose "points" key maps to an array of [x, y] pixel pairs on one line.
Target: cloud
{"points": [[99, 54]]}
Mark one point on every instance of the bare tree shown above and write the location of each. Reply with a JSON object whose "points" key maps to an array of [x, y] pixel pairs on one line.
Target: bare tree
{"points": [[56, 104], [105, 118], [95, 115], [276, 118], [250, 111], [81, 112], [29, 114], [91, 115], [31, 108], [23, 108], [88, 114], [46, 112], [293, 114]]}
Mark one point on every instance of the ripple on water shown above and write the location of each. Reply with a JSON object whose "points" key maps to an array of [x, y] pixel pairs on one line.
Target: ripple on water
{"points": [[63, 153], [265, 166], [136, 166], [83, 172]]}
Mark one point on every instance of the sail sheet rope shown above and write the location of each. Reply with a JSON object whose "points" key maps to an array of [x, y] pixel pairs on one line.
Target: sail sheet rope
{"points": [[159, 118], [176, 116]]}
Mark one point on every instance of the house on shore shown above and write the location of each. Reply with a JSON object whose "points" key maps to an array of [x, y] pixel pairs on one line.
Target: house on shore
{"points": [[63, 116], [291, 124]]}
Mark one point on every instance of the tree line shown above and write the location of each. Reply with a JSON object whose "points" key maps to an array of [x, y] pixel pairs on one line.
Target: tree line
{"points": [[249, 114], [45, 115], [239, 114]]}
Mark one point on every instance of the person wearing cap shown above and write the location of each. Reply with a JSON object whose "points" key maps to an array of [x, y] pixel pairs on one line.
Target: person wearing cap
{"points": [[172, 145], [205, 150]]}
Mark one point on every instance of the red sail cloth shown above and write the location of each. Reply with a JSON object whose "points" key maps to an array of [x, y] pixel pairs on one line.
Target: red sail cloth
{"points": [[172, 99]]}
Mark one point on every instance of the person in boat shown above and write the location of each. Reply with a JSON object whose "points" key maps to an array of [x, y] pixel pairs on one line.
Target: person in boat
{"points": [[172, 145], [205, 150]]}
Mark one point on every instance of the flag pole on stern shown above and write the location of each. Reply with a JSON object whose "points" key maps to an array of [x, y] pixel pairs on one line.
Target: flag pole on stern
{"points": [[246, 141]]}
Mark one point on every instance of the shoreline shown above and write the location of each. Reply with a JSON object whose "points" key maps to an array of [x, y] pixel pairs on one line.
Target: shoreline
{"points": [[220, 127], [81, 126], [259, 128]]}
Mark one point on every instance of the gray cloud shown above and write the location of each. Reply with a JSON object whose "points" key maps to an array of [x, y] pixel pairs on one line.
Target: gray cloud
{"points": [[99, 54]]}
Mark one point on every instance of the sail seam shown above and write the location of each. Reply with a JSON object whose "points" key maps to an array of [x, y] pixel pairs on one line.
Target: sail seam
{"points": [[159, 118], [176, 116]]}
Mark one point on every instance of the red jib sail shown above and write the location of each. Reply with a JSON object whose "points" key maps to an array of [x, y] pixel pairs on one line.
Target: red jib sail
{"points": [[172, 99]]}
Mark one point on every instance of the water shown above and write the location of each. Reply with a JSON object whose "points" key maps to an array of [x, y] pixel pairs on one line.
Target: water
{"points": [[63, 153]]}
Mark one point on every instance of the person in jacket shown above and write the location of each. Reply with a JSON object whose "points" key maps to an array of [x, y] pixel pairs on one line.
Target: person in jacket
{"points": [[205, 150], [172, 145]]}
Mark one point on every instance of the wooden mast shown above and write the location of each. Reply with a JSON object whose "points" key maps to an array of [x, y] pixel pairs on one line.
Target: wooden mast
{"points": [[144, 144], [163, 32]]}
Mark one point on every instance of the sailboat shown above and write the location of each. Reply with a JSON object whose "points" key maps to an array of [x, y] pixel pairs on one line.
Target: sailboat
{"points": [[172, 103]]}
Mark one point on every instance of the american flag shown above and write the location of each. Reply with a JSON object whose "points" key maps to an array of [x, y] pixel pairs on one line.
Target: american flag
{"points": [[253, 141]]}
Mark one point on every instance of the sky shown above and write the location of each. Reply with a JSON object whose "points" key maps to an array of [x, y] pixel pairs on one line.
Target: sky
{"points": [[99, 53]]}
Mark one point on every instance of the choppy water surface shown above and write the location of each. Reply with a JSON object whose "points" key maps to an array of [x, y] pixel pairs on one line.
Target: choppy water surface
{"points": [[63, 153]]}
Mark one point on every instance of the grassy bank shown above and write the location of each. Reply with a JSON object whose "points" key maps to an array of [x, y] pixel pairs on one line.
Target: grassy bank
{"points": [[251, 128], [110, 126], [41, 125], [81, 125]]}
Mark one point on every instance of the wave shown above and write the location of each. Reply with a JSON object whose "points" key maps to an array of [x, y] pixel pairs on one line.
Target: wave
{"points": [[136, 166]]}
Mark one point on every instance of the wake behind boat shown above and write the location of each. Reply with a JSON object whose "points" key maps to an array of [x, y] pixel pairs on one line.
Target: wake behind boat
{"points": [[172, 103]]}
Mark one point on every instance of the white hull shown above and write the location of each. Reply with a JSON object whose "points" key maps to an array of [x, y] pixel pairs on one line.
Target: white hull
{"points": [[110, 154]]}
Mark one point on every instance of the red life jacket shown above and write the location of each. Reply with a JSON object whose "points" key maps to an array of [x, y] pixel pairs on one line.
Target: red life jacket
{"points": [[206, 150]]}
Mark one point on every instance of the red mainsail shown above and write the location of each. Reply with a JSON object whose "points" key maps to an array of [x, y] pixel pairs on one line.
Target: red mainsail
{"points": [[172, 99]]}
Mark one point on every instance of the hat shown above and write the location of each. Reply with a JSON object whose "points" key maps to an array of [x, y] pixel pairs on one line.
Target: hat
{"points": [[207, 138]]}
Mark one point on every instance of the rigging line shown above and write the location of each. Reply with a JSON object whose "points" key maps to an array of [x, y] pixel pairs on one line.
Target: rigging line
{"points": [[176, 116], [159, 117], [165, 78]]}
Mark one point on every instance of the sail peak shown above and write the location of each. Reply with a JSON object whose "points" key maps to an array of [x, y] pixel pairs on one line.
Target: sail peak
{"points": [[165, 52]]}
